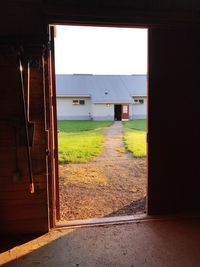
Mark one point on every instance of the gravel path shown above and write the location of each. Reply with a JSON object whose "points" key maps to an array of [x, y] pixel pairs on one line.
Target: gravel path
{"points": [[113, 143], [111, 185]]}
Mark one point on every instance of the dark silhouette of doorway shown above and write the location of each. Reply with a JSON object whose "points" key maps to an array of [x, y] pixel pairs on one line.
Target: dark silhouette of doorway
{"points": [[118, 112]]}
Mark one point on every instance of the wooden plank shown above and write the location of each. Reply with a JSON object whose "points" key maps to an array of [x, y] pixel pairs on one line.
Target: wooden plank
{"points": [[22, 186], [39, 134], [23, 211], [16, 199], [38, 152], [6, 172], [7, 158], [8, 180], [24, 226], [40, 192]]}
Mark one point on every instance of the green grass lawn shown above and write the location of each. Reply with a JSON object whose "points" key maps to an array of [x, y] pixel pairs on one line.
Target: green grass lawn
{"points": [[135, 125], [80, 141], [135, 137], [79, 126]]}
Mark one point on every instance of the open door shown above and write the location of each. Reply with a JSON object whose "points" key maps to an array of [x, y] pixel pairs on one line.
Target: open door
{"points": [[118, 112], [125, 112], [52, 135]]}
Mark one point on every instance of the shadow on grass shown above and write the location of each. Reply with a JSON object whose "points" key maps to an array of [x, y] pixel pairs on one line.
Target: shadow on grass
{"points": [[133, 208]]}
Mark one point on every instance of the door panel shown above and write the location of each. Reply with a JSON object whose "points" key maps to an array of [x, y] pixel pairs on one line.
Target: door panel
{"points": [[125, 112], [173, 113]]}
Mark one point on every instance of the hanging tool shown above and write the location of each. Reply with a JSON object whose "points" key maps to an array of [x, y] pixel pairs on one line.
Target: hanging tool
{"points": [[25, 120], [28, 91]]}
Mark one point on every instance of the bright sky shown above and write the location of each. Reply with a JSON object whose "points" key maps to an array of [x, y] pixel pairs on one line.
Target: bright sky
{"points": [[100, 50]]}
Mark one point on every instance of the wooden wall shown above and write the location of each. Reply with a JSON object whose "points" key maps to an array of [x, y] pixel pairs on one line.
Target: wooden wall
{"points": [[173, 60], [21, 211]]}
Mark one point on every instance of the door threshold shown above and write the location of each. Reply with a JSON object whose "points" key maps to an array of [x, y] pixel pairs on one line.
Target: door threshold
{"points": [[124, 220], [102, 221]]}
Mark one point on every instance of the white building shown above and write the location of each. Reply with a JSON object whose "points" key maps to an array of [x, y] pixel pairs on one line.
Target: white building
{"points": [[101, 97]]}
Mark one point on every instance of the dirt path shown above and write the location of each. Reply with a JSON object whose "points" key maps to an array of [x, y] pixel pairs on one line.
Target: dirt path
{"points": [[114, 144], [113, 184]]}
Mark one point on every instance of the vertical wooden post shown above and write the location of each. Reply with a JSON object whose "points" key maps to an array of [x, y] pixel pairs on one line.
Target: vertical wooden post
{"points": [[52, 135]]}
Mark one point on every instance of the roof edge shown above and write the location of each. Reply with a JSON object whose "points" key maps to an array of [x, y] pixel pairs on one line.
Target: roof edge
{"points": [[139, 95], [112, 102], [74, 96]]}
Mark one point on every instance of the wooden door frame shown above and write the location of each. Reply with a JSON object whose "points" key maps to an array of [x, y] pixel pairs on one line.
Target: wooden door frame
{"points": [[53, 177], [52, 140]]}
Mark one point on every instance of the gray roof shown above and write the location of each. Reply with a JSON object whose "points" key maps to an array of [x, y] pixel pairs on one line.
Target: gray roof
{"points": [[102, 88]]}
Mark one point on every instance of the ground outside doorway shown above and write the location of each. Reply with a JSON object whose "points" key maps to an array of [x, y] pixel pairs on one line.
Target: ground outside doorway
{"points": [[114, 184]]}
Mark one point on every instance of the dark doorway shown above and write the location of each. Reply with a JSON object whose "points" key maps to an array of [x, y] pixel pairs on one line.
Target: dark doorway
{"points": [[118, 112]]}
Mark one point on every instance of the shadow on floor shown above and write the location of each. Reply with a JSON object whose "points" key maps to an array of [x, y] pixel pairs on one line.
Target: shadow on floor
{"points": [[148, 243], [9, 242]]}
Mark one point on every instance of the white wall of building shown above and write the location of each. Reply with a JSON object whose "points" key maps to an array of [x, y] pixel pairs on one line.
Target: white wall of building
{"points": [[67, 111], [139, 111], [103, 111], [130, 111]]}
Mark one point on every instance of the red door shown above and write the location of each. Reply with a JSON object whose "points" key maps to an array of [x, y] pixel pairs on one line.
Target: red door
{"points": [[125, 112]]}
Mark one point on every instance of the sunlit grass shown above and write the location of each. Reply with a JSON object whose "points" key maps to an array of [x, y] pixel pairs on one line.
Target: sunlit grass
{"points": [[80, 141], [79, 147], [135, 142], [135, 137], [135, 124]]}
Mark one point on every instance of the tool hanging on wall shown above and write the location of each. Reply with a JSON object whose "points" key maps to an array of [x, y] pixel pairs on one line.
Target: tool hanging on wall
{"points": [[28, 91], [26, 122]]}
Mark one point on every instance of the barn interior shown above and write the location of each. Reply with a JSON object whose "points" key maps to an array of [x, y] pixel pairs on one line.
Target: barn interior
{"points": [[28, 168]]}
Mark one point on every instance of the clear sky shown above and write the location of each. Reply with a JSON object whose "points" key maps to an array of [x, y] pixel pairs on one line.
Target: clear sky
{"points": [[100, 50]]}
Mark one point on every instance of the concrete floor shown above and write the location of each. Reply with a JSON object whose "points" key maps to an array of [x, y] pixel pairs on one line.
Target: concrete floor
{"points": [[165, 243]]}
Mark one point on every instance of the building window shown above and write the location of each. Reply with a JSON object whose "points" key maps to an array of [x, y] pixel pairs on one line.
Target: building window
{"points": [[75, 102], [125, 109], [138, 101], [78, 102], [81, 102]]}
